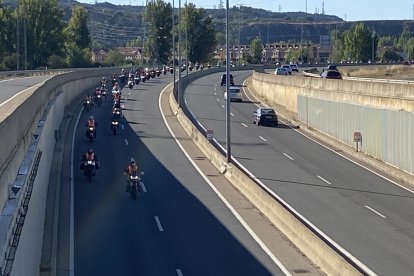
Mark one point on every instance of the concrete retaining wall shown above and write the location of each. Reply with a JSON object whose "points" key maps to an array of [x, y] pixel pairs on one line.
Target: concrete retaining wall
{"points": [[283, 91], [25, 118]]}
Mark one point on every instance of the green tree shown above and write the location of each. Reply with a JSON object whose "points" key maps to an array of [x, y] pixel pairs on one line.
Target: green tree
{"points": [[44, 30], [201, 33], [114, 58], [358, 43], [337, 40], [78, 42], [159, 40], [7, 37], [256, 49]]}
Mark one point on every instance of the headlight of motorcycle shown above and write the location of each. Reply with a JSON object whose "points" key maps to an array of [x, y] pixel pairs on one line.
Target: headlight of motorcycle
{"points": [[90, 162], [91, 128]]}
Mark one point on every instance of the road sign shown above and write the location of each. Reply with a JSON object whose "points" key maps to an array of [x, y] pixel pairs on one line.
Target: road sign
{"points": [[209, 134], [357, 136]]}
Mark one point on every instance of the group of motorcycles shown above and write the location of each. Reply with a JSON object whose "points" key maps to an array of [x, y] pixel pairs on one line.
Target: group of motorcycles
{"points": [[90, 163]]}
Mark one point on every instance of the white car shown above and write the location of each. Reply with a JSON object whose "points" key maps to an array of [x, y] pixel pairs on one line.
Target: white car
{"points": [[235, 94], [294, 67], [288, 68], [281, 71]]}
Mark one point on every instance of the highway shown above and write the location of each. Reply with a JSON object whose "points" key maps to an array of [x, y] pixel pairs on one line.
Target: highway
{"points": [[178, 225], [364, 213], [11, 87]]}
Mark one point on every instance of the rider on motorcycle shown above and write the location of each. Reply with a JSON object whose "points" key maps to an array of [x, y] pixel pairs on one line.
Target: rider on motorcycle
{"points": [[132, 169], [90, 156], [91, 124]]}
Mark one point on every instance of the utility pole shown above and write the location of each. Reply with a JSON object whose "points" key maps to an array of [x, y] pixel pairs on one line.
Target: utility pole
{"points": [[17, 43], [179, 55], [228, 128], [25, 43], [186, 38], [373, 46], [238, 49], [173, 33]]}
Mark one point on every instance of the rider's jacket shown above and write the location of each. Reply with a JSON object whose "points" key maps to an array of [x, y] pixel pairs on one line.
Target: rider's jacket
{"points": [[91, 123]]}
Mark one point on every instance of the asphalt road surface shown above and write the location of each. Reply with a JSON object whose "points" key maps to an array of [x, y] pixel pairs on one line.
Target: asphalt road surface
{"points": [[177, 226], [11, 87], [364, 213]]}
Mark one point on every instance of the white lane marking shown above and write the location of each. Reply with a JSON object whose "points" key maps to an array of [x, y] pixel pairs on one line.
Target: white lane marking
{"points": [[123, 106], [122, 126], [179, 273], [129, 93], [15, 95], [262, 138], [243, 124], [231, 114], [218, 99], [126, 141], [157, 220], [223, 199], [376, 212], [324, 180], [223, 106], [285, 154], [343, 156], [143, 186], [72, 205], [215, 93]]}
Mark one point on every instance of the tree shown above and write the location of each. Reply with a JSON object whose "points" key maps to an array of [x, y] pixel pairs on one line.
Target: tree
{"points": [[114, 58], [159, 21], [357, 43], [78, 42], [44, 30], [7, 37], [256, 49], [201, 33]]}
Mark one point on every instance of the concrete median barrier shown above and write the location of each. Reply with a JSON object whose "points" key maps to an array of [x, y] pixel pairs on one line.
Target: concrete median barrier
{"points": [[328, 256]]}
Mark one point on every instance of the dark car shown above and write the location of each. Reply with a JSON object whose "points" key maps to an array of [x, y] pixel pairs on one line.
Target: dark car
{"points": [[331, 74], [265, 116], [223, 80]]}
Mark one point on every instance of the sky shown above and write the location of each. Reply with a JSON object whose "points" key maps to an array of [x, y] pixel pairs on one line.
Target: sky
{"points": [[349, 10]]}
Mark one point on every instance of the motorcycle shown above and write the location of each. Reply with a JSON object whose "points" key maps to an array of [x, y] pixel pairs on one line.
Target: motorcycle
{"points": [[88, 105], [117, 112], [137, 80], [91, 134], [158, 72], [171, 70], [114, 125], [152, 73], [143, 77], [88, 169], [164, 71], [130, 84], [134, 184], [98, 99]]}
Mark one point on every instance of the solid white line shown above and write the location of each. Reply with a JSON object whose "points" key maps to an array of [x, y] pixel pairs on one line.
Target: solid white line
{"points": [[15, 95], [122, 126], [243, 124], [223, 199], [323, 179], [143, 187], [223, 106], [262, 138], [285, 154], [72, 205], [126, 142], [376, 212], [157, 220], [179, 273]]}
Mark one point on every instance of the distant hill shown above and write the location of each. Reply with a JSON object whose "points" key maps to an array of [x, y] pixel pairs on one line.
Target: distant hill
{"points": [[114, 25]]}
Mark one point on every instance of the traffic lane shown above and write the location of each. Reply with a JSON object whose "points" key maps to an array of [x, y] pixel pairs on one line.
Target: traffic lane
{"points": [[202, 238], [289, 181], [113, 234], [11, 87], [89, 245]]}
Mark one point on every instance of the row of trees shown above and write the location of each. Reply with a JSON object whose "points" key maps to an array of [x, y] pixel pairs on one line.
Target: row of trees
{"points": [[34, 35]]}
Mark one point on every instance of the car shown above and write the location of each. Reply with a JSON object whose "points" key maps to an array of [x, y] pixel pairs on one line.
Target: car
{"points": [[281, 71], [223, 80], [331, 74], [235, 94], [294, 67], [265, 116], [332, 67], [288, 68]]}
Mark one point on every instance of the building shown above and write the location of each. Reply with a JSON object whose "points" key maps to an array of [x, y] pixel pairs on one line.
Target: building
{"points": [[131, 53]]}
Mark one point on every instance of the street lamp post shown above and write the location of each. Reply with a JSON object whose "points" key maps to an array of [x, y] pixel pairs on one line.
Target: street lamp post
{"points": [[173, 33], [228, 127], [179, 55]]}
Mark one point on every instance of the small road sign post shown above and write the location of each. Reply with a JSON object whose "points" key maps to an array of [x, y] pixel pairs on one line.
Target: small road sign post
{"points": [[357, 139], [210, 135]]}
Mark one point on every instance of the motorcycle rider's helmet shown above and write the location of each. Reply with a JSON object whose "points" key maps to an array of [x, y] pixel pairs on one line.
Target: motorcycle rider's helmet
{"points": [[91, 118], [90, 150], [103, 78], [132, 161]]}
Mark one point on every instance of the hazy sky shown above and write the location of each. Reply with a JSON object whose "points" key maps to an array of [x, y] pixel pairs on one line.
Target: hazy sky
{"points": [[351, 9]]}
